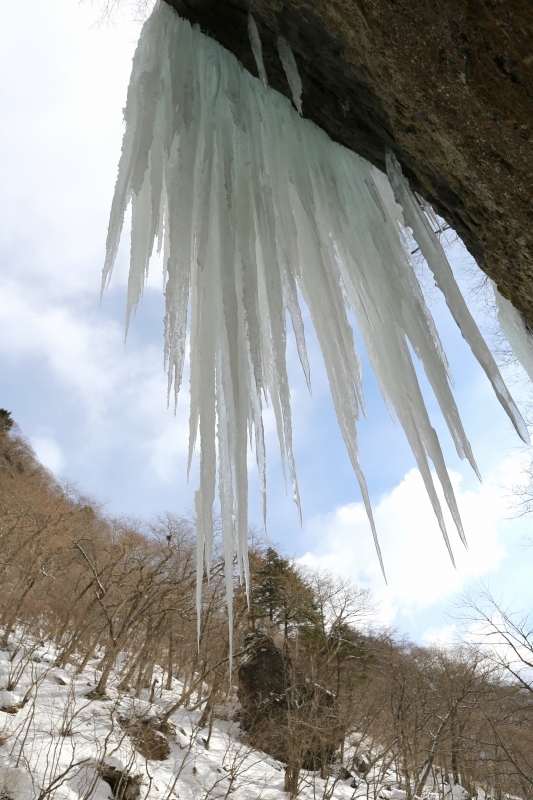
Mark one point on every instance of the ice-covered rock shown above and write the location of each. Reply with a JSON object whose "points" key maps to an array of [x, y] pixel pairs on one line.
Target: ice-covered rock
{"points": [[253, 205]]}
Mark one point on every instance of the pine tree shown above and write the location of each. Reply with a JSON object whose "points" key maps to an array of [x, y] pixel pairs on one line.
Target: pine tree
{"points": [[6, 421], [279, 595]]}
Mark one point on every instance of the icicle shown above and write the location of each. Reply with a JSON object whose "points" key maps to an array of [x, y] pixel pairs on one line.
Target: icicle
{"points": [[257, 50], [291, 71], [255, 204], [200, 547], [432, 251], [514, 331]]}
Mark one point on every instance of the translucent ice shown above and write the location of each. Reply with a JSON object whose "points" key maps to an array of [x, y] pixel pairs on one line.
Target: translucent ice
{"points": [[252, 205], [291, 71], [257, 49], [435, 256], [515, 331]]}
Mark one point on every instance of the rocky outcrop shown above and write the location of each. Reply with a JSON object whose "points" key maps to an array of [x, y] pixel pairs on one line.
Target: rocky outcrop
{"points": [[123, 786], [446, 84], [149, 735], [284, 714], [264, 679]]}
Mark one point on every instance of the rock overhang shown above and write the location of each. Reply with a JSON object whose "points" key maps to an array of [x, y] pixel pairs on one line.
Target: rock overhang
{"points": [[446, 85]]}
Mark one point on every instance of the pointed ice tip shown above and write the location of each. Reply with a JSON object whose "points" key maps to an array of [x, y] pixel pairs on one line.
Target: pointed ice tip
{"points": [[449, 547], [523, 432], [516, 418], [476, 471], [382, 565], [296, 499]]}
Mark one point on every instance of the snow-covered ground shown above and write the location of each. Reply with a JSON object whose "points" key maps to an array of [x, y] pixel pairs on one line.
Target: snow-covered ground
{"points": [[55, 742]]}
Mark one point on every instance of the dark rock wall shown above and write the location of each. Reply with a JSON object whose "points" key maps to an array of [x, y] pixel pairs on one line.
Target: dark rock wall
{"points": [[283, 714], [446, 84], [264, 677]]}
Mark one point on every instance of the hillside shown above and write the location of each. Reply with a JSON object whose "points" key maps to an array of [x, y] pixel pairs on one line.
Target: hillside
{"points": [[111, 687], [63, 744]]}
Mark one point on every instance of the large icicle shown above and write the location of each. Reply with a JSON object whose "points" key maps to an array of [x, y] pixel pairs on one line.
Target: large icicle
{"points": [[257, 49], [254, 204], [291, 71], [433, 252]]}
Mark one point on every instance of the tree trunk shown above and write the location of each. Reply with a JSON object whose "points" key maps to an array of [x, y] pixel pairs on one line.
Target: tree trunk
{"points": [[168, 684], [292, 773], [109, 659]]}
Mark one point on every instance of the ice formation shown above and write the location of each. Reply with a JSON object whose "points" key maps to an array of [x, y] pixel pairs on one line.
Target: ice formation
{"points": [[251, 204], [431, 248], [257, 49], [291, 71], [515, 331]]}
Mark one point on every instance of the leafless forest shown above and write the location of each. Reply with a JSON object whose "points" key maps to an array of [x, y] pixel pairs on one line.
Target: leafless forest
{"points": [[124, 591]]}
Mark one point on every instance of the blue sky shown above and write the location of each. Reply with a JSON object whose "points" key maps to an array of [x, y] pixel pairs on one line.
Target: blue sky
{"points": [[95, 410]]}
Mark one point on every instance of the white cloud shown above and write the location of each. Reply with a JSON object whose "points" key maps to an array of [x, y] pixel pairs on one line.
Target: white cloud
{"points": [[84, 350], [49, 453], [443, 636], [419, 571], [119, 390]]}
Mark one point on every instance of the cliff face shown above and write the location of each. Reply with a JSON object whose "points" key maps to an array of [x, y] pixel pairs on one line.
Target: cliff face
{"points": [[446, 84]]}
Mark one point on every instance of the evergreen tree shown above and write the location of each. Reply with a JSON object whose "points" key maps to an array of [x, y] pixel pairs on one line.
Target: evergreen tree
{"points": [[6, 421], [279, 595]]}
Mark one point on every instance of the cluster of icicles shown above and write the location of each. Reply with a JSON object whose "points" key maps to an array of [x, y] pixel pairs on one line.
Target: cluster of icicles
{"points": [[252, 204]]}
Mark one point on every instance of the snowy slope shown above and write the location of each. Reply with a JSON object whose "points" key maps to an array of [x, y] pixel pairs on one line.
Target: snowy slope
{"points": [[56, 741]]}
